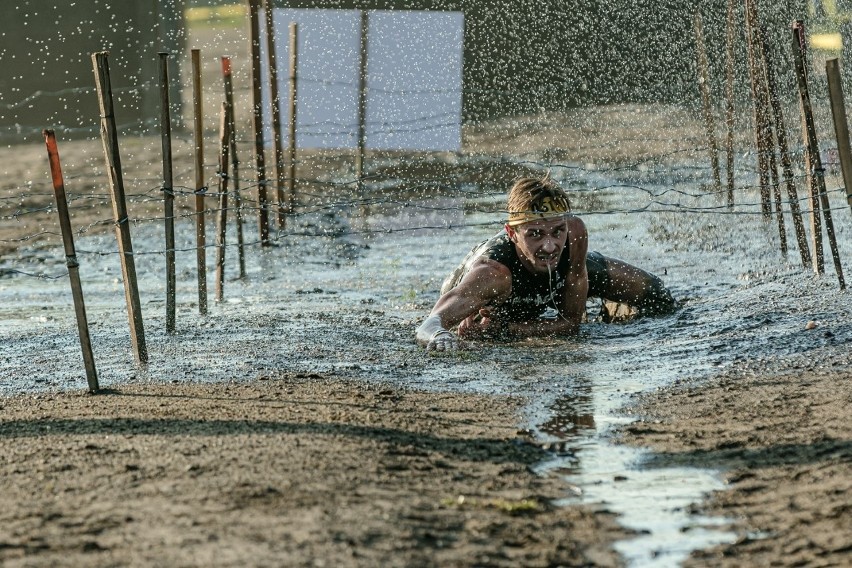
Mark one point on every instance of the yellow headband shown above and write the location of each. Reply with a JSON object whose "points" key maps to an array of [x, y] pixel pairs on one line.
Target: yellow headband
{"points": [[547, 208]]}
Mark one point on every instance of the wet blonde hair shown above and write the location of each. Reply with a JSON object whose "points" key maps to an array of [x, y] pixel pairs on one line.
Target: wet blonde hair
{"points": [[531, 199]]}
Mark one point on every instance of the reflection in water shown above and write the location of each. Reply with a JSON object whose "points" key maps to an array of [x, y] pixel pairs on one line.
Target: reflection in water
{"points": [[572, 415], [654, 502]]}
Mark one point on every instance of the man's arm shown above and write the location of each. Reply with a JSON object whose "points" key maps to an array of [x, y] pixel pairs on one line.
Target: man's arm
{"points": [[487, 283]]}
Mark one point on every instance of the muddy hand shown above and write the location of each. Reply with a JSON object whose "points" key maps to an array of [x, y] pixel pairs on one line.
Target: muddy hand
{"points": [[443, 340], [432, 335]]}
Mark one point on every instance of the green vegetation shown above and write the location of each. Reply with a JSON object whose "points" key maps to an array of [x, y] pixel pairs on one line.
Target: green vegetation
{"points": [[508, 506], [224, 14]]}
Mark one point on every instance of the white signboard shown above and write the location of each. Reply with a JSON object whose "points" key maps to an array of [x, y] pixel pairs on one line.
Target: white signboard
{"points": [[414, 78]]}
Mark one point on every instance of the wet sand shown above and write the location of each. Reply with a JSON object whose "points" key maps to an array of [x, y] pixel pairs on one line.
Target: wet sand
{"points": [[284, 471], [784, 439]]}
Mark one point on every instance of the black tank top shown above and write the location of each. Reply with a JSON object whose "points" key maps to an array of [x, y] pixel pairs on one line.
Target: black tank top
{"points": [[532, 294]]}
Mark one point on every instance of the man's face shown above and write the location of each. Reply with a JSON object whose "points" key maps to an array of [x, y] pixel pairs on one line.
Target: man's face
{"points": [[540, 243]]}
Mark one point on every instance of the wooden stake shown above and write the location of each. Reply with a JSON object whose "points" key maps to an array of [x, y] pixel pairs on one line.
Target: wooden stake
{"points": [[276, 113], [257, 122], [168, 192], [200, 188], [235, 163], [704, 85], [758, 96], [362, 103], [71, 260], [813, 161], [109, 137], [783, 150], [224, 144], [729, 99], [762, 67], [294, 86], [841, 128]]}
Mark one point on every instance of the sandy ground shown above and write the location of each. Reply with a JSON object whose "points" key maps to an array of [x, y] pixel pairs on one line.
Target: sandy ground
{"points": [[283, 471], [784, 436]]}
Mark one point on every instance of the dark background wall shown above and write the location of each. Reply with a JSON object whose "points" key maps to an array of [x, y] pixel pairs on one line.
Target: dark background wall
{"points": [[47, 79], [524, 56], [520, 56]]}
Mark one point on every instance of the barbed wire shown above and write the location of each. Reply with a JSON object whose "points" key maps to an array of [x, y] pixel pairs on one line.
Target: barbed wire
{"points": [[33, 275], [153, 194], [25, 192], [443, 182], [75, 90], [653, 206]]}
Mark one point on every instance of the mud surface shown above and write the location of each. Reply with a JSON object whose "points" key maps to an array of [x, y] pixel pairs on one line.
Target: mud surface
{"points": [[784, 438], [291, 470]]}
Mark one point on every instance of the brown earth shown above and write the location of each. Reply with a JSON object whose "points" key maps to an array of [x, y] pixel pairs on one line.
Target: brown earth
{"points": [[785, 441], [283, 471]]}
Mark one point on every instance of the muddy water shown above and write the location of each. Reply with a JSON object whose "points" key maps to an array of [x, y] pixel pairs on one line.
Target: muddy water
{"points": [[341, 296]]}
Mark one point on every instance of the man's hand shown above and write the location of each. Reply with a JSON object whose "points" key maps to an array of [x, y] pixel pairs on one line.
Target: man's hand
{"points": [[481, 325], [432, 335]]}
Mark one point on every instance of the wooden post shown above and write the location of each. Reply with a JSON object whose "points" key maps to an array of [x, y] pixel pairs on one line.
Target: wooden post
{"points": [[224, 144], [109, 137], [362, 103], [168, 191], [71, 259], [760, 131], [762, 68], [729, 99], [257, 122], [235, 163], [783, 150], [704, 85], [200, 188], [291, 146], [276, 113], [813, 162], [841, 128], [771, 112]]}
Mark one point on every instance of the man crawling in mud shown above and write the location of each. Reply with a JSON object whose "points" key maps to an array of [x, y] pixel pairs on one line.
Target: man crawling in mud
{"points": [[532, 279]]}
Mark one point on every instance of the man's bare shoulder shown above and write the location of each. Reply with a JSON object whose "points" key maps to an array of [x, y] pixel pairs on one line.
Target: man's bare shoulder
{"points": [[488, 268], [576, 227], [489, 274]]}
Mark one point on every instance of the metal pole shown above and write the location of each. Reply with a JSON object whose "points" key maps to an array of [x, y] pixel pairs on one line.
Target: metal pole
{"points": [[762, 66]]}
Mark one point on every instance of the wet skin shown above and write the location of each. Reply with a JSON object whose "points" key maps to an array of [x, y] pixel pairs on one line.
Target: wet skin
{"points": [[540, 245]]}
